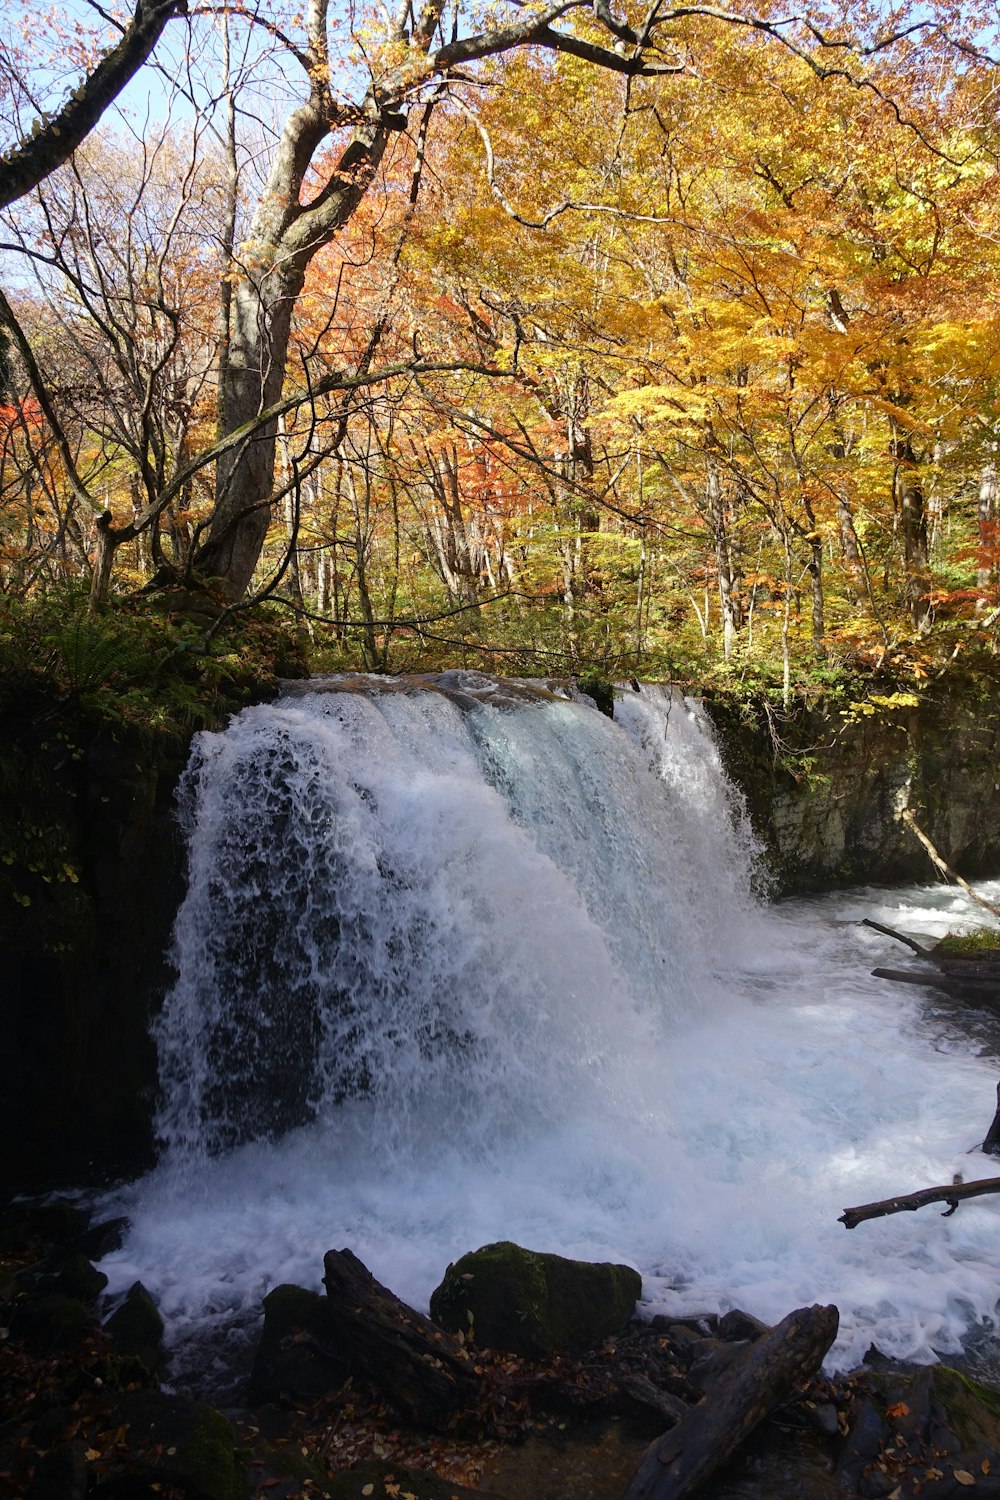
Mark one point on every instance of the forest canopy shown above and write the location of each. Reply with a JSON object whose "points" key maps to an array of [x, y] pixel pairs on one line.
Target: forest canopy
{"points": [[660, 339]]}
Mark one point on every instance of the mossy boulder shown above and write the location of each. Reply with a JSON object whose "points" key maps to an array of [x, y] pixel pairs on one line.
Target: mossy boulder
{"points": [[600, 690], [50, 1322], [973, 1409], [176, 1444], [297, 1354], [79, 1278], [534, 1304], [136, 1326]]}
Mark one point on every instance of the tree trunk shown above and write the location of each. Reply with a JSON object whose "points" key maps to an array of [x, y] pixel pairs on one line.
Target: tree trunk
{"points": [[723, 560], [912, 509], [986, 573]]}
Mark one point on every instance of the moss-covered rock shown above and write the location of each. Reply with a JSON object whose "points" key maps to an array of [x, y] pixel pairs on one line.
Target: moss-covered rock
{"points": [[826, 781], [50, 1322], [973, 1409], [982, 942], [136, 1326], [172, 1442], [601, 690], [297, 1354], [79, 1278], [534, 1304]]}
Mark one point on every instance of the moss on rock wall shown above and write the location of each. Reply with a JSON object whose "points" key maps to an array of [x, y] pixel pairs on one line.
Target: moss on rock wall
{"points": [[826, 782]]}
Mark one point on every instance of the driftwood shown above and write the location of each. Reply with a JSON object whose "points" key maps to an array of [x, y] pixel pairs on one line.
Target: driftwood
{"points": [[953, 1194], [757, 1382], [418, 1367]]}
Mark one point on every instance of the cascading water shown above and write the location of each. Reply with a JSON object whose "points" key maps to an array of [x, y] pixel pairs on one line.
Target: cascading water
{"points": [[462, 961]]}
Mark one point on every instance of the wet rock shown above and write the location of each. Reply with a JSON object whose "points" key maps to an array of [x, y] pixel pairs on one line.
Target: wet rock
{"points": [[58, 1220], [100, 1239], [533, 1304], [297, 1354], [864, 1441], [874, 1485], [737, 1325], [825, 1418], [136, 1326]]}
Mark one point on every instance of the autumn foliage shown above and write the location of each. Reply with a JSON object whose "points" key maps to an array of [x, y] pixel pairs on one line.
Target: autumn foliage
{"points": [[688, 373]]}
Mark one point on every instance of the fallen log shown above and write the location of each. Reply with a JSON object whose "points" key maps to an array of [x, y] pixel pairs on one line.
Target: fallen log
{"points": [[414, 1364], [961, 985], [953, 1194], [757, 1382], [900, 937]]}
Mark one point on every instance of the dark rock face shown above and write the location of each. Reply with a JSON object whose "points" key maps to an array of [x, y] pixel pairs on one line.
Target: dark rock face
{"points": [[533, 1304], [93, 872], [826, 800]]}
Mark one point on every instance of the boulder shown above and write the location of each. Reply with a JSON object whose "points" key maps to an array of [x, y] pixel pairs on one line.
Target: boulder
{"points": [[136, 1326], [534, 1304], [297, 1355]]}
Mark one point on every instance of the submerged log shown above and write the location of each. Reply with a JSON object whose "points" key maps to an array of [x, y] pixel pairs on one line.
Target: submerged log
{"points": [[416, 1366], [953, 1194], [984, 985], [757, 1382]]}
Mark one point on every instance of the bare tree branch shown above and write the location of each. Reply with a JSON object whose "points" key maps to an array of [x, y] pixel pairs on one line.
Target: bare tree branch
{"points": [[32, 160]]}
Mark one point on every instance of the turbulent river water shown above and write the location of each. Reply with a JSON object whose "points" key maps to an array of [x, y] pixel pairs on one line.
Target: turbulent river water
{"points": [[467, 962]]}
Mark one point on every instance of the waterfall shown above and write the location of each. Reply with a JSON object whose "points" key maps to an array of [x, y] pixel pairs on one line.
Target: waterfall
{"points": [[462, 960], [446, 902]]}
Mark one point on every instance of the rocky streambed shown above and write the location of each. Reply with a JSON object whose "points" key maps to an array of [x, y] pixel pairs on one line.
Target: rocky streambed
{"points": [[532, 1380]]}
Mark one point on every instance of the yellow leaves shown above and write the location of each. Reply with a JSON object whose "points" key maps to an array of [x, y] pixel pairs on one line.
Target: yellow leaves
{"points": [[901, 416]]}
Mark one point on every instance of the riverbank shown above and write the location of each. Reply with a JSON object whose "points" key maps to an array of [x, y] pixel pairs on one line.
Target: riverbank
{"points": [[89, 1413]]}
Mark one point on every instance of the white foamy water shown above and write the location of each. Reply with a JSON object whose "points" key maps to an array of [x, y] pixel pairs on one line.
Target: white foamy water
{"points": [[486, 971]]}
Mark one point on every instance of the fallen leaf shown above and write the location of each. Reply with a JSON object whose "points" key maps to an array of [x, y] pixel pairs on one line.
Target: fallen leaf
{"points": [[368, 1489], [964, 1477], [899, 1410]]}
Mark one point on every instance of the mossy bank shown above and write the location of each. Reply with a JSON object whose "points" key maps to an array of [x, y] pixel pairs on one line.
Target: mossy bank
{"points": [[96, 718]]}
